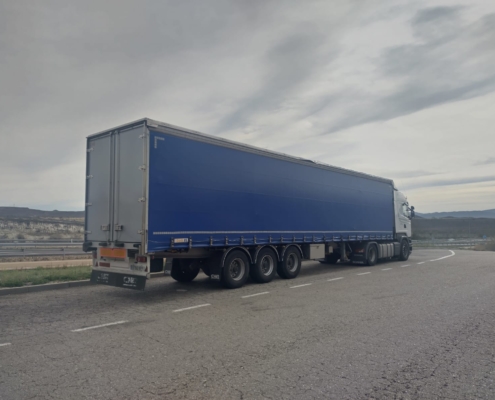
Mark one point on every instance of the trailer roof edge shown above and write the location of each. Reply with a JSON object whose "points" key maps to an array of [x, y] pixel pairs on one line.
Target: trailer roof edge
{"points": [[157, 124]]}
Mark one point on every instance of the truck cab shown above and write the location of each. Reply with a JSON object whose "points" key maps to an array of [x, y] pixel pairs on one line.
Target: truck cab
{"points": [[403, 215]]}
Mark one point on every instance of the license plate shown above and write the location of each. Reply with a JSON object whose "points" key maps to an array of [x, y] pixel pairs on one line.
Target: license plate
{"points": [[112, 253]]}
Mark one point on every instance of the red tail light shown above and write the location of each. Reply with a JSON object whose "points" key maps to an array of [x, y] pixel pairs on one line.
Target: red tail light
{"points": [[141, 259]]}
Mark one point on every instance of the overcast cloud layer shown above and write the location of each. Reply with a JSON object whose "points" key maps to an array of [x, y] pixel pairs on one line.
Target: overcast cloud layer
{"points": [[401, 89]]}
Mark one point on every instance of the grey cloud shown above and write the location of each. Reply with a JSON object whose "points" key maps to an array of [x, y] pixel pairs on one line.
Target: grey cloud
{"points": [[412, 174], [487, 161], [290, 62], [433, 14], [450, 182], [450, 61]]}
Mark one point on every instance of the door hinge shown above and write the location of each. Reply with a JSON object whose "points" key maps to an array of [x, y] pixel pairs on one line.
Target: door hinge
{"points": [[142, 167], [140, 232], [87, 232], [142, 136], [142, 199], [89, 176], [89, 204], [119, 227], [90, 149], [105, 227]]}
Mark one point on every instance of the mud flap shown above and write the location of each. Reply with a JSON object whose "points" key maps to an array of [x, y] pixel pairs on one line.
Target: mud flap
{"points": [[119, 280]]}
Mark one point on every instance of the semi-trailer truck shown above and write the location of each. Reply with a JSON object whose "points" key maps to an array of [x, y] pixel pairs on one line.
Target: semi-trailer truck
{"points": [[158, 192]]}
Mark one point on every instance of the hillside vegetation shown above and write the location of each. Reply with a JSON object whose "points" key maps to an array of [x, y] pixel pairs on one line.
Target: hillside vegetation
{"points": [[24, 223], [447, 228]]}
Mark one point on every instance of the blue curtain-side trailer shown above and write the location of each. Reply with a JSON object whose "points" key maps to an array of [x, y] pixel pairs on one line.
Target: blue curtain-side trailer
{"points": [[158, 192]]}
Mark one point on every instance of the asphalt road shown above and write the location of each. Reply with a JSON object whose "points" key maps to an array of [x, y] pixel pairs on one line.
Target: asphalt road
{"points": [[424, 329]]}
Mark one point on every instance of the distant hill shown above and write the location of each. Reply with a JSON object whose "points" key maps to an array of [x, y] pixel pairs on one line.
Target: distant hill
{"points": [[446, 228], [459, 214], [24, 212]]}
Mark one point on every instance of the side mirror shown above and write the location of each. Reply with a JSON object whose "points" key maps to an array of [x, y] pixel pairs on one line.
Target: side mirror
{"points": [[413, 214]]}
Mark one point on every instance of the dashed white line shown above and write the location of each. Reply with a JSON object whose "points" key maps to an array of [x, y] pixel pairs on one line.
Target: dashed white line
{"points": [[5, 344], [193, 307], [364, 273], [99, 326], [335, 279], [386, 269], [305, 284], [252, 295], [404, 266], [422, 262]]}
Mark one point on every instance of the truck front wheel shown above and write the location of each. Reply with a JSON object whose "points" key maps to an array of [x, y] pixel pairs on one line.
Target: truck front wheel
{"points": [[404, 250], [235, 270], [371, 255], [184, 270]]}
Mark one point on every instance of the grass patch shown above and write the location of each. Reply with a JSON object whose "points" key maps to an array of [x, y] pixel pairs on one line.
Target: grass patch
{"points": [[40, 275], [490, 246]]}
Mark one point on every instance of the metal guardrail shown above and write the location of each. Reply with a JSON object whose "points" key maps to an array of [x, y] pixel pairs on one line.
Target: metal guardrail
{"points": [[40, 245], [40, 248], [449, 242]]}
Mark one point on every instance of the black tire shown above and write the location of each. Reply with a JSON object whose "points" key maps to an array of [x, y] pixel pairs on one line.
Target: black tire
{"points": [[235, 271], [290, 266], [332, 258], [371, 255], [266, 266], [404, 250], [156, 265], [184, 270]]}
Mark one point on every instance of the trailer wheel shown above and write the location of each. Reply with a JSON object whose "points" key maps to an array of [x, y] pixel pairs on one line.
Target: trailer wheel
{"points": [[404, 250], [266, 266], [235, 269], [371, 255], [184, 270], [290, 266]]}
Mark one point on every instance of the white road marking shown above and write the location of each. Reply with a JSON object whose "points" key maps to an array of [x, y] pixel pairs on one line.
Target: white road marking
{"points": [[386, 269], [404, 266], [335, 279], [364, 273], [442, 258], [305, 284], [252, 295], [99, 326], [5, 344], [193, 307], [422, 262]]}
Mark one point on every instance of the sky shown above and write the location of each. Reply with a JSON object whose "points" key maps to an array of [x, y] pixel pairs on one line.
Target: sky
{"points": [[399, 89]]}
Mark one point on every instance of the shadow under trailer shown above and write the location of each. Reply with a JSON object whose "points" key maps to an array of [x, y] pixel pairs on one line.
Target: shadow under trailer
{"points": [[157, 192]]}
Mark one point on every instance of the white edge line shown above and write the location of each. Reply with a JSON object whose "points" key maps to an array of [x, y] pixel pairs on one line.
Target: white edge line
{"points": [[193, 307], [404, 266], [5, 344], [386, 269], [252, 295], [305, 284], [422, 262], [364, 273], [99, 326], [335, 279], [443, 258]]}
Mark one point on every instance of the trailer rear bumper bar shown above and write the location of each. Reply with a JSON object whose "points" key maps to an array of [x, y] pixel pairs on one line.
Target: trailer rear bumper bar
{"points": [[119, 280]]}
